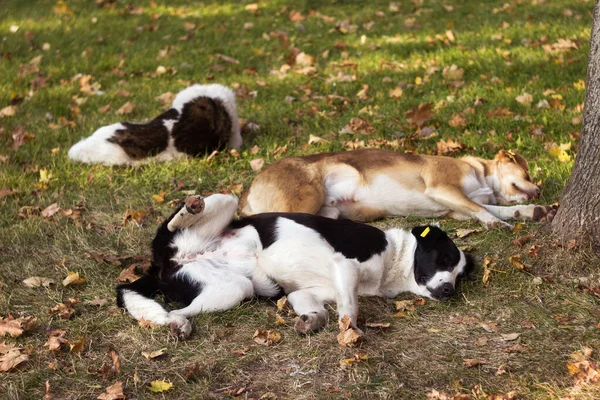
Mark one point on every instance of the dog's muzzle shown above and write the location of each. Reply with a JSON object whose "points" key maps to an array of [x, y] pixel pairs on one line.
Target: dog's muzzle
{"points": [[442, 292]]}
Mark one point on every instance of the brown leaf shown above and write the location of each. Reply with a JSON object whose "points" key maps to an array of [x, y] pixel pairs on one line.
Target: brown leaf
{"points": [[137, 215], [499, 113], [153, 354], [418, 116], [19, 136], [357, 358], [126, 108], [508, 337], [378, 324], [522, 240], [50, 210], [488, 265], [16, 326], [7, 192], [113, 367], [56, 338], [457, 121], [113, 392], [358, 125], [472, 362], [448, 147], [316, 139], [37, 281], [348, 336], [128, 274], [266, 337], [363, 93], [227, 59], [396, 92], [461, 232], [122, 93], [11, 357], [77, 346]]}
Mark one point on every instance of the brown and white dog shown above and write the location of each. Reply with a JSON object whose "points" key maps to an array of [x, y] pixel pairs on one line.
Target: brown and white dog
{"points": [[367, 184]]}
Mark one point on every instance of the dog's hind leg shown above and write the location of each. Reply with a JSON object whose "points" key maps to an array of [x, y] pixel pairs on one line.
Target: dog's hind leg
{"points": [[221, 290], [136, 298], [309, 304], [530, 212]]}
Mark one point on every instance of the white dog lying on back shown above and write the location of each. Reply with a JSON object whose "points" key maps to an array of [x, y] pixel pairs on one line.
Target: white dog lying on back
{"points": [[208, 261], [201, 119]]}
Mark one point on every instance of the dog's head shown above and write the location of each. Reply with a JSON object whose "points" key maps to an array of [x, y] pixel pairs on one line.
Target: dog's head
{"points": [[513, 177], [439, 264]]}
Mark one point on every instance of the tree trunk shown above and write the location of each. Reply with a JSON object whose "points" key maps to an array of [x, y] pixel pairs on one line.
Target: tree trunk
{"points": [[579, 214]]}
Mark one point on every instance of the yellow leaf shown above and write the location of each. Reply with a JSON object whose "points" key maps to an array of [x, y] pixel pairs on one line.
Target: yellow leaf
{"points": [[73, 279], [45, 176], [516, 262], [488, 264], [148, 355], [579, 85], [418, 80], [159, 198], [160, 386], [62, 9], [78, 346], [396, 93]]}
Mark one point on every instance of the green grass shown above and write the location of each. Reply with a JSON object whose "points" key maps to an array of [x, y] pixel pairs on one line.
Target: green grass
{"points": [[502, 53]]}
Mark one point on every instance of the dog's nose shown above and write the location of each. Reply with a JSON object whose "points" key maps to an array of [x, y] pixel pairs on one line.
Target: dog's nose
{"points": [[443, 291], [537, 192]]}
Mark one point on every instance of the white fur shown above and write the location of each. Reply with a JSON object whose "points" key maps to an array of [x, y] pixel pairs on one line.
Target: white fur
{"points": [[95, 149], [232, 266]]}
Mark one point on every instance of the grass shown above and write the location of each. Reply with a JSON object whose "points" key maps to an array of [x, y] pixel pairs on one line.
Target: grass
{"points": [[502, 46]]}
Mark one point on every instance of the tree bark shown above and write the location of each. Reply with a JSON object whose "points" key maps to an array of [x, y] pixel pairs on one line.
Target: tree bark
{"points": [[579, 214]]}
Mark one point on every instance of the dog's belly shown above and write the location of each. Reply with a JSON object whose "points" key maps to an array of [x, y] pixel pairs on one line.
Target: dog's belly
{"points": [[388, 195]]}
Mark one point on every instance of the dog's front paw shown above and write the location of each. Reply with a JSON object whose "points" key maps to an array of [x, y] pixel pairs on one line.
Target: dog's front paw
{"points": [[180, 326], [544, 213], [308, 323], [194, 204]]}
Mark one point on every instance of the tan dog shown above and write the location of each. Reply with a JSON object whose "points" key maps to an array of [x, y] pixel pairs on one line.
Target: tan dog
{"points": [[367, 184]]}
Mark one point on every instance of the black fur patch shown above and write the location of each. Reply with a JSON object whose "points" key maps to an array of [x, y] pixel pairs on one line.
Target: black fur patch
{"points": [[435, 252], [144, 140], [352, 239], [160, 277], [204, 125]]}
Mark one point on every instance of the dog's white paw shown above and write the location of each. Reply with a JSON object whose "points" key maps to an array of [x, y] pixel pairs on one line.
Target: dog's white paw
{"points": [[308, 323], [498, 223], [180, 326]]}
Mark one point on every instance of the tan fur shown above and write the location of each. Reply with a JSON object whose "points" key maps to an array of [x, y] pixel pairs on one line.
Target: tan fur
{"points": [[299, 184]]}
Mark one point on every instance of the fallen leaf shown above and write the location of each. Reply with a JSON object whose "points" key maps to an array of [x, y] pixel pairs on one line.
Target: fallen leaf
{"points": [[316, 139], [61, 9], [11, 357], [453, 73], [405, 305], [583, 369], [419, 115], [257, 164], [7, 192], [37, 281], [112, 367], [357, 358], [160, 386], [104, 109], [56, 338], [449, 146], [166, 98], [472, 362], [153, 354], [458, 121], [507, 337], [396, 92], [282, 304], [358, 125], [77, 346], [266, 337], [19, 137], [462, 232], [517, 348], [129, 274], [499, 113], [363, 93], [8, 111], [16, 326], [72, 279], [522, 240], [560, 152], [136, 215], [50, 211], [516, 262], [126, 108], [113, 392], [488, 265], [526, 99], [227, 59], [348, 336]]}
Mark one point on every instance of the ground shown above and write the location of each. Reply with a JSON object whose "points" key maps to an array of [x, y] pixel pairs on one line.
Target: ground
{"points": [[354, 72]]}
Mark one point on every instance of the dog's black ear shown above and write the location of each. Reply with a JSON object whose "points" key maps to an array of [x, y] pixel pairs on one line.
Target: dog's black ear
{"points": [[427, 236], [469, 267]]}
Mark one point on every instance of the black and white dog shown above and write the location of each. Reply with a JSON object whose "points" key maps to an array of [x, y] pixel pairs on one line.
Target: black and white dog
{"points": [[209, 261], [201, 119]]}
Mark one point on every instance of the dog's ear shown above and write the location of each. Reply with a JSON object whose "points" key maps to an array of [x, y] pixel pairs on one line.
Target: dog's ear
{"points": [[510, 156], [427, 236]]}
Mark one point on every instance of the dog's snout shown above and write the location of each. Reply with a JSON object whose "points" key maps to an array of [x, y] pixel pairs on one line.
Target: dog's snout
{"points": [[443, 291], [537, 192]]}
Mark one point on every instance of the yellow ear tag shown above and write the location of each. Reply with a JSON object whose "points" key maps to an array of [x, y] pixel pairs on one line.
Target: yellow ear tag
{"points": [[425, 232]]}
